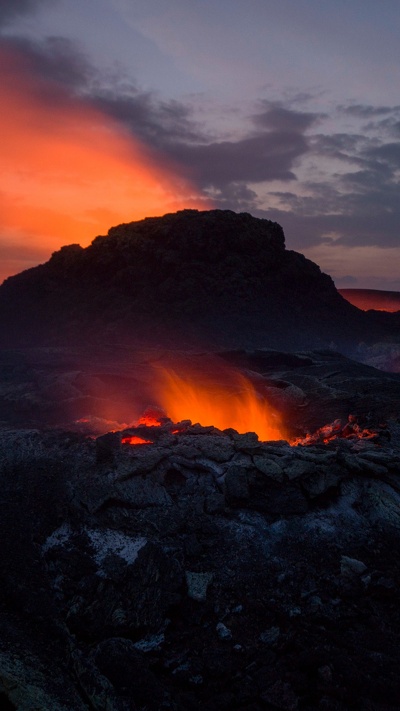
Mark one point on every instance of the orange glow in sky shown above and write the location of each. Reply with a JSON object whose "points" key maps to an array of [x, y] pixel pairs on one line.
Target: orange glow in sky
{"points": [[69, 172]]}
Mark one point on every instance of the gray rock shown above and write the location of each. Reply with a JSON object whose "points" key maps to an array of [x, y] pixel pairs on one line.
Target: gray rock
{"points": [[269, 467], [351, 567], [320, 482], [140, 493], [295, 468], [197, 584], [223, 632], [270, 636]]}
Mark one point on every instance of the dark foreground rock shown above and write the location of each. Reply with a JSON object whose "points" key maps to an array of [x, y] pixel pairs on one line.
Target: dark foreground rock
{"points": [[203, 571]]}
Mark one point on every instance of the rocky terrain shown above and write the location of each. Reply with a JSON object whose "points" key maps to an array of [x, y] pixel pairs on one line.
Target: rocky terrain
{"points": [[211, 279], [152, 563], [203, 570]]}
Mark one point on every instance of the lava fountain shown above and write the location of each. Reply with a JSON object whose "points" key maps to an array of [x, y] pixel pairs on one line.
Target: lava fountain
{"points": [[225, 400]]}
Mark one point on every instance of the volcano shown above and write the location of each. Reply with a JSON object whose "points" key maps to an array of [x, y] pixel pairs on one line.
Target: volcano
{"points": [[195, 528], [212, 279]]}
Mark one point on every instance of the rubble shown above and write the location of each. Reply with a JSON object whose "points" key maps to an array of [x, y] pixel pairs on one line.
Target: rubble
{"points": [[163, 578]]}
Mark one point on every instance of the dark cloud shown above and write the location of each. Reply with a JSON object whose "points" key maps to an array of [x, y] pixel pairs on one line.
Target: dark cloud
{"points": [[366, 111], [56, 60], [59, 70], [268, 156], [343, 146], [168, 128], [358, 207], [159, 123], [235, 196], [389, 153], [10, 9], [365, 212], [278, 118]]}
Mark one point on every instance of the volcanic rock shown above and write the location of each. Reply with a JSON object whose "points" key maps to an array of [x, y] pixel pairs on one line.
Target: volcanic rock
{"points": [[143, 596], [213, 279]]}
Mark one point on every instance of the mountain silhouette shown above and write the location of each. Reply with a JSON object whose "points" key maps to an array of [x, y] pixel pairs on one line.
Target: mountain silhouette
{"points": [[211, 279]]}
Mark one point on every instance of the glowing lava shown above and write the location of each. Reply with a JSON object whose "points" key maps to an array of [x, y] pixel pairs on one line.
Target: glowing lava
{"points": [[152, 417], [228, 400], [135, 440], [336, 430]]}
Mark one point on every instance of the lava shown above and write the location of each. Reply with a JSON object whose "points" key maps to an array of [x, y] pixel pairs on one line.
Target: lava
{"points": [[336, 430], [225, 400], [133, 440], [152, 417]]}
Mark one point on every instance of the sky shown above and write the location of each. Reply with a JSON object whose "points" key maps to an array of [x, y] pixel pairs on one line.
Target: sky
{"points": [[113, 110]]}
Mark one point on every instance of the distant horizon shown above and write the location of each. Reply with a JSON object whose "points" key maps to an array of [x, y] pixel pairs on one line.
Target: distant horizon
{"points": [[373, 299]]}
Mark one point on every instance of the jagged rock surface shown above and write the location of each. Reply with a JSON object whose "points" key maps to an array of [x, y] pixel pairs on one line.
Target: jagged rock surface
{"points": [[204, 571], [214, 279]]}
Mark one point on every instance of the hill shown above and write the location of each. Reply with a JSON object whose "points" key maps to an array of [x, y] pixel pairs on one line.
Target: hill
{"points": [[211, 279]]}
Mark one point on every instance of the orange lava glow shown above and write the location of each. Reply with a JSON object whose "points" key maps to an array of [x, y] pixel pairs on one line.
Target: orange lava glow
{"points": [[150, 418], [69, 172], [228, 401], [135, 440], [336, 430]]}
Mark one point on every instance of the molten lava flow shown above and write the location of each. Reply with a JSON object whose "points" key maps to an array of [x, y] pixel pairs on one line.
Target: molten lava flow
{"points": [[225, 400], [152, 417], [135, 440], [336, 430]]}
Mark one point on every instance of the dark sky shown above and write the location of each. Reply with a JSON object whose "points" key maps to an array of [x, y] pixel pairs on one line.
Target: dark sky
{"points": [[288, 109]]}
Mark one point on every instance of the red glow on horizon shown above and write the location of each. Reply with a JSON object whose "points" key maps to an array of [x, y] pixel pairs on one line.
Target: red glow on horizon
{"points": [[69, 172], [367, 299]]}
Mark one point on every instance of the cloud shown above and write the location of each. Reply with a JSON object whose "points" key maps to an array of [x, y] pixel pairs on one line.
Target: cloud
{"points": [[159, 123], [279, 118], [367, 111], [61, 71], [68, 172], [235, 196], [273, 143], [267, 156], [10, 9], [56, 60], [388, 153]]}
